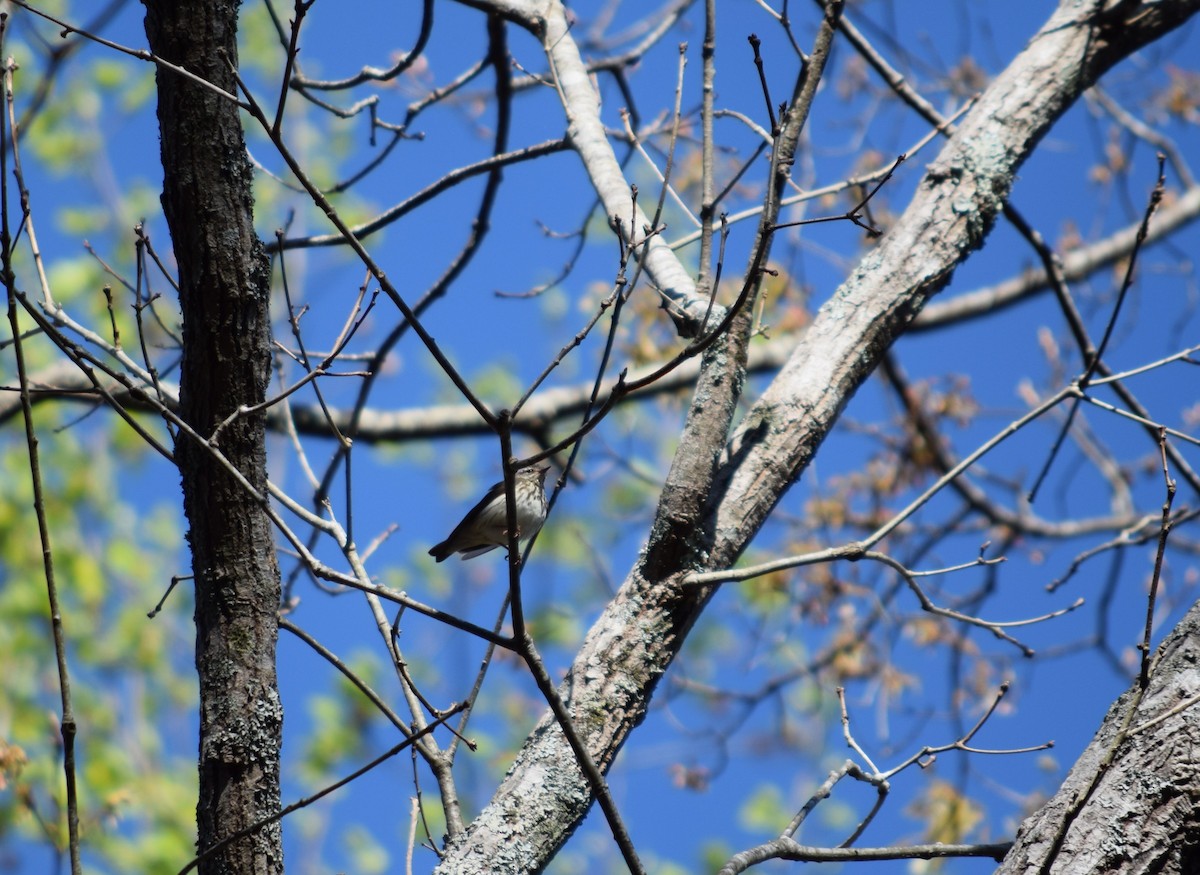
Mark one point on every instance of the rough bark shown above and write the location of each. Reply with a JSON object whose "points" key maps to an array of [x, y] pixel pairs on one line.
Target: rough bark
{"points": [[224, 296], [544, 795], [1131, 804]]}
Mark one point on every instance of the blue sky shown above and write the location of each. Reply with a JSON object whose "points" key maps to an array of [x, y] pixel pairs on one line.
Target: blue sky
{"points": [[422, 488]]}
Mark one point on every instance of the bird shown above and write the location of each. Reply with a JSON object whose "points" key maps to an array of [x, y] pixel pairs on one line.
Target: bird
{"points": [[485, 527]]}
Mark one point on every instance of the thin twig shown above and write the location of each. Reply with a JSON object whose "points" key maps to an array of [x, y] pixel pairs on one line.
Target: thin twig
{"points": [[68, 726], [1156, 579]]}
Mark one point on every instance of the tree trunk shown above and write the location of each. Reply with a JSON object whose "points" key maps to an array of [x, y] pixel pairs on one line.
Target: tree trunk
{"points": [[1131, 804], [224, 297]]}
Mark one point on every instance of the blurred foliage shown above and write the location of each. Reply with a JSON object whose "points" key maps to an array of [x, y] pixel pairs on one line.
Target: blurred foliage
{"points": [[132, 690]]}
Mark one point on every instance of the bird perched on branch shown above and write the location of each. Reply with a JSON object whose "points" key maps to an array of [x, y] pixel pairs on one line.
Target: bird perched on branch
{"points": [[485, 527]]}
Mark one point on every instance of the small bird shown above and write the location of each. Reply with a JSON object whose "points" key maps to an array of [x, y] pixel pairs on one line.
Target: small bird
{"points": [[485, 527]]}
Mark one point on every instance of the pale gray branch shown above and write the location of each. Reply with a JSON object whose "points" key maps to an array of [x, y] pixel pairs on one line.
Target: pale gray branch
{"points": [[642, 629]]}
